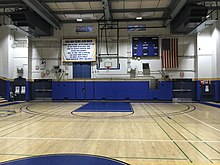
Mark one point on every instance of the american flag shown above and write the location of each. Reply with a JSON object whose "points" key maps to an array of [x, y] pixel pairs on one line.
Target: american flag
{"points": [[170, 53]]}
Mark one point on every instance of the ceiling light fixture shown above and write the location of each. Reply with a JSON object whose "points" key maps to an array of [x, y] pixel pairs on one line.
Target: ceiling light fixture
{"points": [[79, 19], [139, 18]]}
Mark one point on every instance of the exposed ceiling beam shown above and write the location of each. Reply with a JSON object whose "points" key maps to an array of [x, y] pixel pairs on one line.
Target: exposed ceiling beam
{"points": [[64, 1], [45, 14], [78, 12], [142, 20], [175, 7], [117, 20], [13, 5], [147, 27], [213, 7], [112, 11], [196, 1], [49, 9], [60, 1], [9, 1], [159, 9]]}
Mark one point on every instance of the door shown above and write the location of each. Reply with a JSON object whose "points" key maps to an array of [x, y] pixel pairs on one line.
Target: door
{"points": [[82, 70]]}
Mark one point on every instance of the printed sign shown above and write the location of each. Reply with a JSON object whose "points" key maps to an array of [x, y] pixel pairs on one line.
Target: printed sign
{"points": [[79, 50]]}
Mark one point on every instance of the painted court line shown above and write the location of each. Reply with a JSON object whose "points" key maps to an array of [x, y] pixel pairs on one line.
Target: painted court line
{"points": [[203, 123], [123, 140]]}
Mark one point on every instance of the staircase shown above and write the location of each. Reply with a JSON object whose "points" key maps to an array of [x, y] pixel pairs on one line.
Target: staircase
{"points": [[2, 100]]}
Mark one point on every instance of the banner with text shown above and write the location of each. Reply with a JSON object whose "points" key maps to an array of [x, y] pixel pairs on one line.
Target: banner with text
{"points": [[79, 50]]}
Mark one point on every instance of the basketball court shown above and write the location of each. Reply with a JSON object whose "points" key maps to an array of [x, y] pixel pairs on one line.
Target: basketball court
{"points": [[153, 133], [109, 82]]}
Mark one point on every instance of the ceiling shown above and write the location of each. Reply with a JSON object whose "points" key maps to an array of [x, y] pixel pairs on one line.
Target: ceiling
{"points": [[58, 12]]}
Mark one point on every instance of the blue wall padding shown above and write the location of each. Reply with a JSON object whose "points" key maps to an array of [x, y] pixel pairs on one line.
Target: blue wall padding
{"points": [[27, 95], [165, 91], [115, 90], [217, 91], [198, 91], [3, 88], [7, 90], [65, 160], [80, 90], [63, 90], [133, 90], [89, 90], [84, 90]]}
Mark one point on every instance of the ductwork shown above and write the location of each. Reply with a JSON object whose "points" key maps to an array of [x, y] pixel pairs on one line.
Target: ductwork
{"points": [[32, 23], [190, 16]]}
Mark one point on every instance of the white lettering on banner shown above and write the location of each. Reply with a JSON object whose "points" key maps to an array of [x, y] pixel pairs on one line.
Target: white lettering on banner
{"points": [[76, 50]]}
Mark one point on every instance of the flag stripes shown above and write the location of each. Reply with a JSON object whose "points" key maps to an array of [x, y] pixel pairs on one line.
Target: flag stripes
{"points": [[170, 53]]}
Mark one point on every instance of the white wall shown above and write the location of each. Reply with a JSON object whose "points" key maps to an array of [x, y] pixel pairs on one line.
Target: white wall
{"points": [[186, 61], [4, 40], [217, 50], [205, 45], [208, 59], [18, 54], [50, 51], [209, 52], [186, 52], [198, 57], [14, 52]]}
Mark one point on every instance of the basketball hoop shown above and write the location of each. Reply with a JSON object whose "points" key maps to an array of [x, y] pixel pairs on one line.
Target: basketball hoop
{"points": [[108, 65]]}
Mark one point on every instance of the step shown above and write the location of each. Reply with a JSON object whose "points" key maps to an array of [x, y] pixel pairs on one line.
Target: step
{"points": [[2, 100]]}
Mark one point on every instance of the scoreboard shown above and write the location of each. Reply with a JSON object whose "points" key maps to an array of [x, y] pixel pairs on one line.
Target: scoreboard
{"points": [[145, 47]]}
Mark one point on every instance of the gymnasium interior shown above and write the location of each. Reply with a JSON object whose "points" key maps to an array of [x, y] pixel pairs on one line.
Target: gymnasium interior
{"points": [[109, 82]]}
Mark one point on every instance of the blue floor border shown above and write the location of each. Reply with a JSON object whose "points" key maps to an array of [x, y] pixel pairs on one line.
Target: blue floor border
{"points": [[65, 159], [210, 104]]}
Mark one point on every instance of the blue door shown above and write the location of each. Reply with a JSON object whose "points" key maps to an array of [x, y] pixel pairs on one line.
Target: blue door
{"points": [[82, 70]]}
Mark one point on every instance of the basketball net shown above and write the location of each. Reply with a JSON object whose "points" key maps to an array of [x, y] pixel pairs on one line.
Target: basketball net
{"points": [[107, 67]]}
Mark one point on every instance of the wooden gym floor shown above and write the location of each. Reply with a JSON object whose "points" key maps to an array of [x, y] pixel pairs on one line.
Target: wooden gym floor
{"points": [[154, 133]]}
